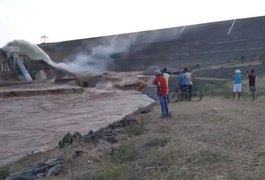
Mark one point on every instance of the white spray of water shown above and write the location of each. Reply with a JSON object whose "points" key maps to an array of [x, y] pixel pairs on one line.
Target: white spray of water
{"points": [[100, 57], [97, 61], [31, 50]]}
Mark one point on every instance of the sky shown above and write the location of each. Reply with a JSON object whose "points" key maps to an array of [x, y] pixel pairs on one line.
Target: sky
{"points": [[63, 20]]}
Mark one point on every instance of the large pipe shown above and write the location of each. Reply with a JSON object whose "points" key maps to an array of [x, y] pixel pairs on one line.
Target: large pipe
{"points": [[22, 68]]}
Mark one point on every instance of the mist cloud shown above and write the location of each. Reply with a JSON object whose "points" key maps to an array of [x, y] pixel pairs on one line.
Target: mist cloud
{"points": [[97, 61], [100, 57]]}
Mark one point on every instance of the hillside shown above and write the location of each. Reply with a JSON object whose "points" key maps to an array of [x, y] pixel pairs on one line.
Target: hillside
{"points": [[205, 44]]}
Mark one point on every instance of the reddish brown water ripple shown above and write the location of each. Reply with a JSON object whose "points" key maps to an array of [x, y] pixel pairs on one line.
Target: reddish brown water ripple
{"points": [[39, 122]]}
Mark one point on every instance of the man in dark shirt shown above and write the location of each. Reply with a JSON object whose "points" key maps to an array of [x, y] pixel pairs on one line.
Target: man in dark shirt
{"points": [[252, 83]]}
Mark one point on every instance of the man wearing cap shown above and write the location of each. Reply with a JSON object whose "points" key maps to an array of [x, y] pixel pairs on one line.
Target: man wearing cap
{"points": [[160, 82], [237, 84]]}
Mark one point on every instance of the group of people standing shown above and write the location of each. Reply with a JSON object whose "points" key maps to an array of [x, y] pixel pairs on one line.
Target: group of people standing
{"points": [[237, 86], [161, 81], [185, 82]]}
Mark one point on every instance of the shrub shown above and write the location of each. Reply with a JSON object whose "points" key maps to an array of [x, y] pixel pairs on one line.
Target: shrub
{"points": [[69, 139], [4, 173]]}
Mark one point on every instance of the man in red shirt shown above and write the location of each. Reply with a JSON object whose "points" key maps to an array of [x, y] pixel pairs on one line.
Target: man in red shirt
{"points": [[161, 84]]}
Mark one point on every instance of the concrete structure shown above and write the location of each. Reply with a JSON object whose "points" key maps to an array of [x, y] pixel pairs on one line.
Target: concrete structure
{"points": [[16, 66], [204, 44]]}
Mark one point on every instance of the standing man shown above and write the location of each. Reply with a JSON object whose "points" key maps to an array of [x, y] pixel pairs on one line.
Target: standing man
{"points": [[160, 82], [166, 76], [189, 77], [237, 84], [252, 83]]}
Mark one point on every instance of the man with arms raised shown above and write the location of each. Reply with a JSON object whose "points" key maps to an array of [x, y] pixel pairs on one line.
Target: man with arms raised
{"points": [[252, 83]]}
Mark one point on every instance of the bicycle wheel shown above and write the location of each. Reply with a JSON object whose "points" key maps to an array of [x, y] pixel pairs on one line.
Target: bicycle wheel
{"points": [[196, 94], [173, 96]]}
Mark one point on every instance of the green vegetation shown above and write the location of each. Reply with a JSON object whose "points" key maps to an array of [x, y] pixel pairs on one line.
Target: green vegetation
{"points": [[163, 129], [4, 173], [69, 139], [125, 152], [109, 172], [215, 88], [157, 142], [135, 130]]}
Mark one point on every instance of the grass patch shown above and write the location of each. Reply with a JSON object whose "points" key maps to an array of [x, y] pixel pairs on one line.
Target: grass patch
{"points": [[163, 129], [135, 130], [109, 172], [125, 152], [157, 142]]}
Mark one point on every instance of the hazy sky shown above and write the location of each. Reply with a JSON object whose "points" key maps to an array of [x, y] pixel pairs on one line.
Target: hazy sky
{"points": [[62, 20]]}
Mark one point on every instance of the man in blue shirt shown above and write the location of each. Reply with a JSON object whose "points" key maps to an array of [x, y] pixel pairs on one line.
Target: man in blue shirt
{"points": [[237, 87], [183, 81], [184, 84]]}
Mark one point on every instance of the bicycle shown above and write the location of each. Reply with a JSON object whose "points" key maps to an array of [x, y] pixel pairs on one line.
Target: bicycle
{"points": [[181, 95]]}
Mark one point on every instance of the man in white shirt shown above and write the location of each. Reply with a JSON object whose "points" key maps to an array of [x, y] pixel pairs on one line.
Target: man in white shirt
{"points": [[166, 76], [189, 77]]}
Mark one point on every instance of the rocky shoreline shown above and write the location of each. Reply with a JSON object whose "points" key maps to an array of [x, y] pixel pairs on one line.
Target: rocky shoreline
{"points": [[52, 165]]}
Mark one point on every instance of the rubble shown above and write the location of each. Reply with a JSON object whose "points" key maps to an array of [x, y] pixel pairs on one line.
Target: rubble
{"points": [[51, 167]]}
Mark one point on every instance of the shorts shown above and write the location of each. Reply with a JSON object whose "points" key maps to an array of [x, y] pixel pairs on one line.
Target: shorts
{"points": [[252, 88], [237, 88]]}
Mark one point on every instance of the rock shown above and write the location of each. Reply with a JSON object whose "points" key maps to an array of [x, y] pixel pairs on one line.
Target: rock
{"points": [[104, 147], [39, 170], [144, 111], [215, 108], [19, 178], [112, 133], [40, 175], [128, 121], [110, 139], [78, 153], [55, 170], [54, 161], [89, 162]]}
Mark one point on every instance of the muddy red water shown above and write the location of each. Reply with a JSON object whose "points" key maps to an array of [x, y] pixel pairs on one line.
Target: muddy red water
{"points": [[39, 122]]}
